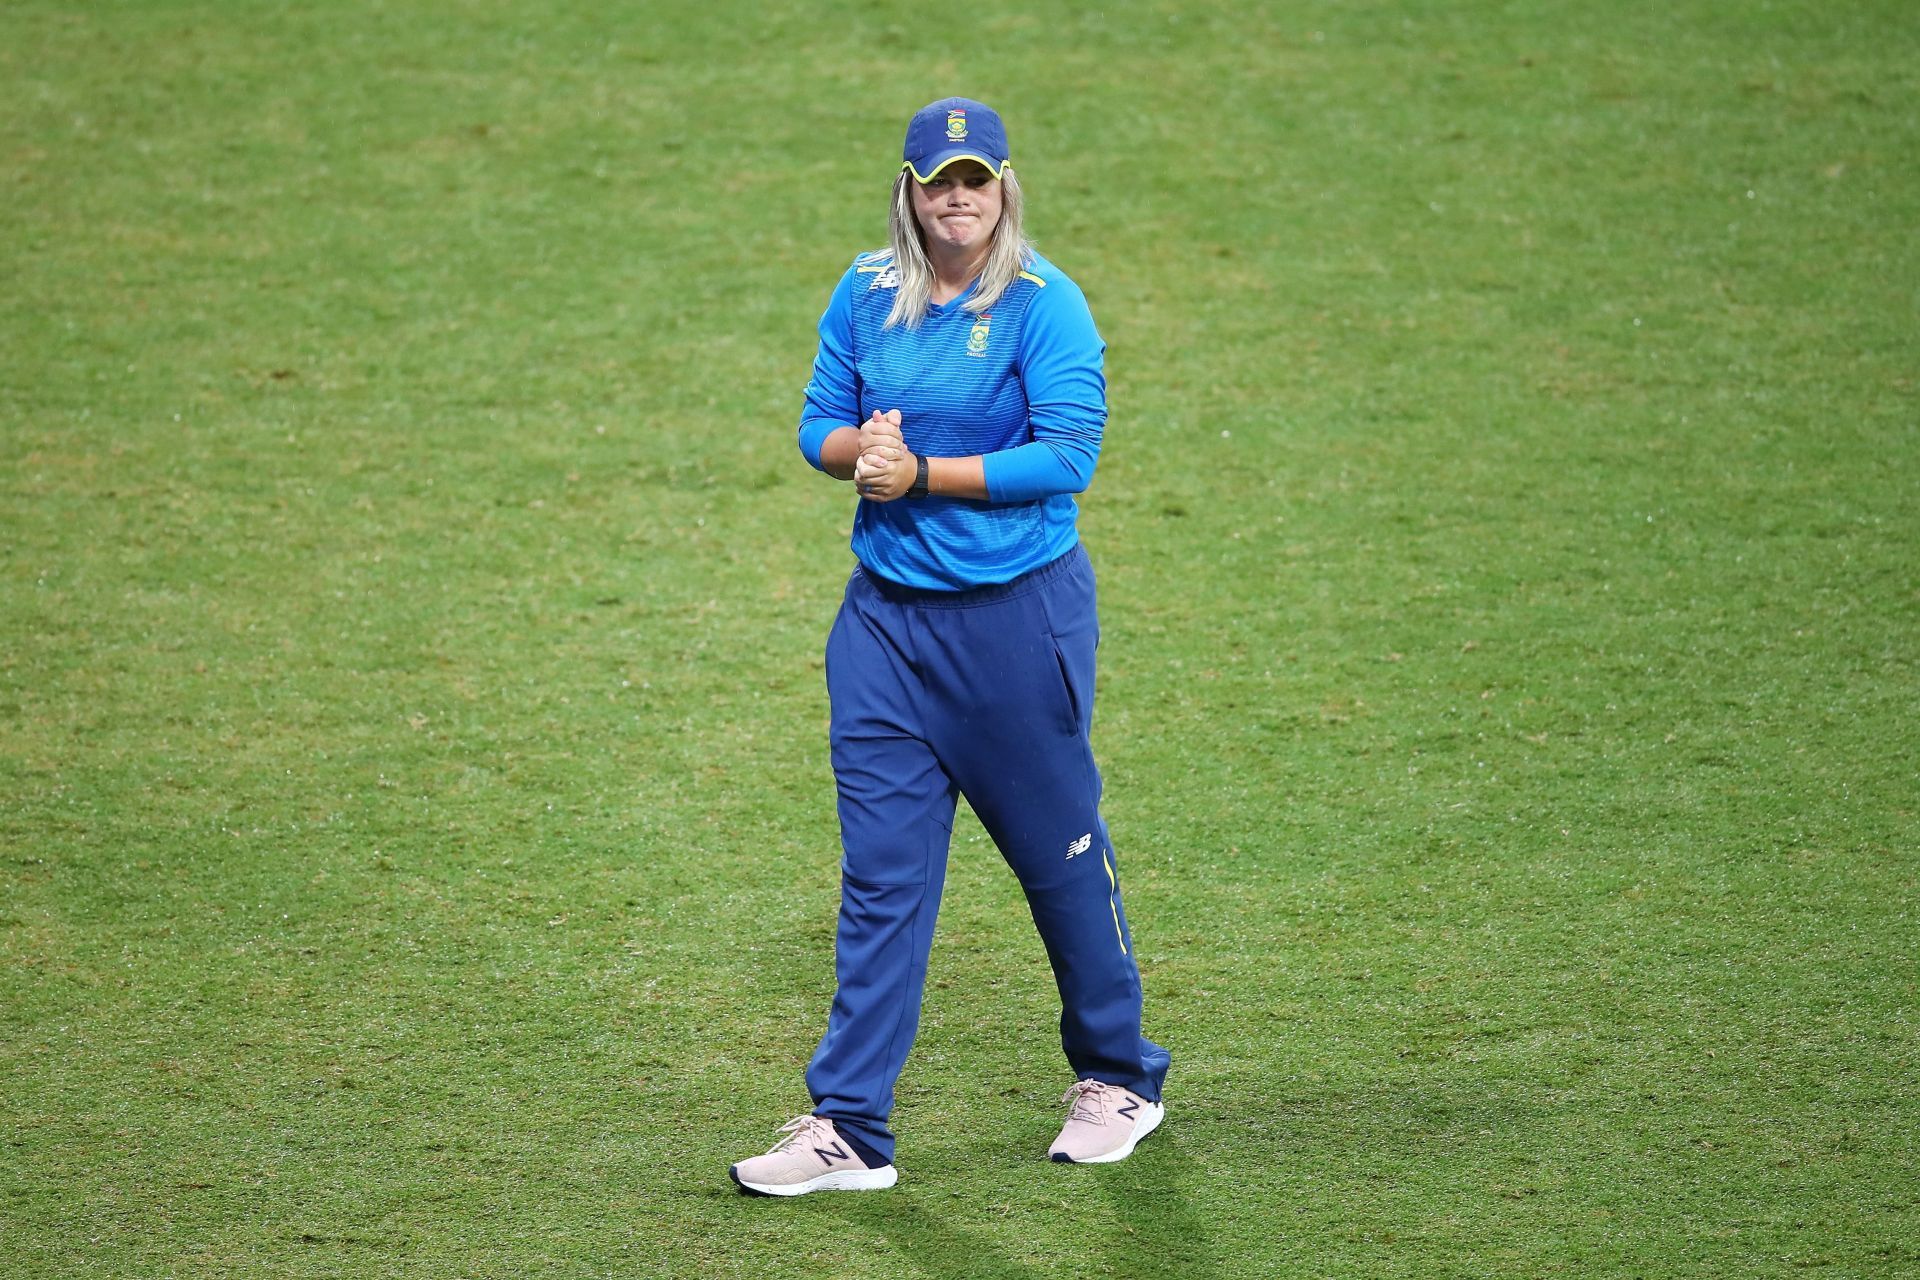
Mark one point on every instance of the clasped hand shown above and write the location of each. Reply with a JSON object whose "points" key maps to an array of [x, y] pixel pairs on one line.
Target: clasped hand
{"points": [[884, 470]]}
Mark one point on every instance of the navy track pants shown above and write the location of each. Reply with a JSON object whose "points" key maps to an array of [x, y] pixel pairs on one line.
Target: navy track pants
{"points": [[988, 694]]}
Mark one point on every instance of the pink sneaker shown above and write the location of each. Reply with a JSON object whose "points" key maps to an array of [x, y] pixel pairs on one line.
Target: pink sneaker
{"points": [[1104, 1124], [812, 1157]]}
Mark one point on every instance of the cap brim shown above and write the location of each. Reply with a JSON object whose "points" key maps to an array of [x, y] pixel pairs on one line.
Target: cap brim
{"points": [[941, 159]]}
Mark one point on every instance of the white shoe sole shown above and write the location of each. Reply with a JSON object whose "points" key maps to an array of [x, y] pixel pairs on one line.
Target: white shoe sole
{"points": [[845, 1180], [1149, 1120]]}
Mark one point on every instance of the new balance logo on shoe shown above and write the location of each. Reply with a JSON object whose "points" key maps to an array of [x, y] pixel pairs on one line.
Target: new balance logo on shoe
{"points": [[1080, 846], [832, 1153]]}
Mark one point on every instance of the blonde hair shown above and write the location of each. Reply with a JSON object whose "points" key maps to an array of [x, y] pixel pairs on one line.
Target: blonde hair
{"points": [[1007, 256]]}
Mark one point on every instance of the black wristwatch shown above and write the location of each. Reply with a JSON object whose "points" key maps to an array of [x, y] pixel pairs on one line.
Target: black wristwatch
{"points": [[919, 489]]}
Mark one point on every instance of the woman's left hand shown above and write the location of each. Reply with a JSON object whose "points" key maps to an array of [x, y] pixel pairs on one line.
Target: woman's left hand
{"points": [[881, 478], [885, 470]]}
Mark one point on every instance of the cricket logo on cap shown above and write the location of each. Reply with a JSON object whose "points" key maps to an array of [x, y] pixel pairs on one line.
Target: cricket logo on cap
{"points": [[956, 125], [977, 339]]}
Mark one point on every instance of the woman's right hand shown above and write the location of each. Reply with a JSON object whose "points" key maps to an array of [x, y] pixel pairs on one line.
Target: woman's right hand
{"points": [[885, 470], [882, 432]]}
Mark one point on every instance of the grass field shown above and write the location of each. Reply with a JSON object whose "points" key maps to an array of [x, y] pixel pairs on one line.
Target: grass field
{"points": [[419, 856]]}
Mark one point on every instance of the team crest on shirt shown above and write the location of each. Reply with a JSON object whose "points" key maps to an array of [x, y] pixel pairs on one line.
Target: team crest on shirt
{"points": [[956, 125], [977, 337]]}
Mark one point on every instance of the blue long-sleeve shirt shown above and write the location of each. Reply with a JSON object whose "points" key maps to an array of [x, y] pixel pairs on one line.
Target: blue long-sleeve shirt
{"points": [[1022, 385]]}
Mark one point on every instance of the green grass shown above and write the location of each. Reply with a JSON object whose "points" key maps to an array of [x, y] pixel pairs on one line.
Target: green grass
{"points": [[419, 857]]}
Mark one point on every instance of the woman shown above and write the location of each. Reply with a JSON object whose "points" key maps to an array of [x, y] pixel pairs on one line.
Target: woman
{"points": [[958, 384]]}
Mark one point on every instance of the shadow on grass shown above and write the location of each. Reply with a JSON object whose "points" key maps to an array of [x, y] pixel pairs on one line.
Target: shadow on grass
{"points": [[1148, 1191], [1153, 1229]]}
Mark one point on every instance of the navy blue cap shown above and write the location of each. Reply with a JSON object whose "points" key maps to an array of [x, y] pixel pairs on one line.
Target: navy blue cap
{"points": [[954, 129]]}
